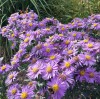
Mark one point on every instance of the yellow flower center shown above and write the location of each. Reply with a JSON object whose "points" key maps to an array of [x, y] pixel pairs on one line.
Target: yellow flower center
{"points": [[30, 83], [91, 75], [30, 24], [76, 58], [74, 35], [12, 44], [62, 28], [67, 42], [28, 34], [14, 91], [13, 62], [79, 24], [24, 95], [48, 29], [70, 51], [26, 40], [61, 35], [32, 15], [95, 24], [3, 67], [82, 72], [45, 44], [88, 57], [52, 57], [48, 18], [41, 24], [90, 45], [55, 87], [48, 50], [51, 37], [39, 46], [27, 56], [67, 64], [11, 76], [85, 40], [49, 69], [12, 35], [20, 51], [15, 57], [35, 69], [73, 23], [4, 30]]}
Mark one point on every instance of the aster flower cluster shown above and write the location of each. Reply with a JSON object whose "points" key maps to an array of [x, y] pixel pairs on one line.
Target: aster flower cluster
{"points": [[52, 57]]}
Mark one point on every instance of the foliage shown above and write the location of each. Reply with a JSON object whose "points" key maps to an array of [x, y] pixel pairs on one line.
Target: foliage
{"points": [[66, 10]]}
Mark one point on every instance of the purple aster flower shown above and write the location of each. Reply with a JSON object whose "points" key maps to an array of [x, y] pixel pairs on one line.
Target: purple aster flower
{"points": [[74, 35], [62, 28], [69, 52], [4, 31], [49, 70], [13, 18], [12, 91], [97, 79], [76, 61], [95, 26], [91, 74], [11, 77], [59, 87], [87, 59], [35, 69], [32, 84], [21, 52], [67, 42], [54, 57], [28, 40], [57, 37], [15, 61], [26, 93], [42, 24], [68, 65], [67, 76], [81, 75], [5, 68], [46, 49], [48, 22], [83, 42], [91, 46], [48, 31], [33, 15]]}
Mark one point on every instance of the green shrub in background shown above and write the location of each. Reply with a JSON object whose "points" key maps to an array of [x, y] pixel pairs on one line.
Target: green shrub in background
{"points": [[64, 10]]}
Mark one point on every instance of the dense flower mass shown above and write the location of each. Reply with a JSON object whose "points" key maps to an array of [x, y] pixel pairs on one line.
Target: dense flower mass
{"points": [[52, 56]]}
